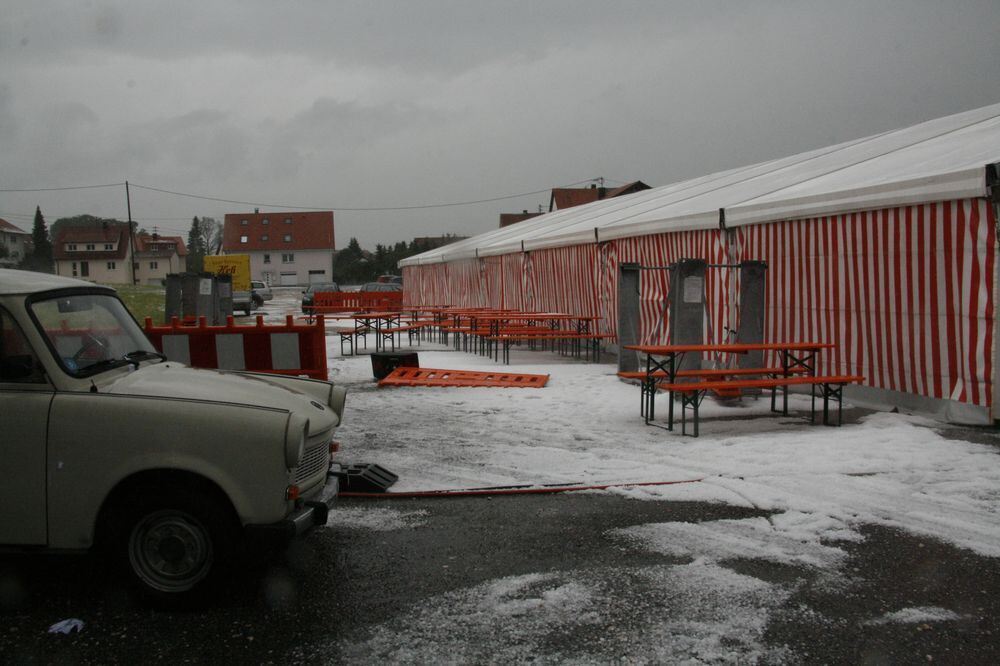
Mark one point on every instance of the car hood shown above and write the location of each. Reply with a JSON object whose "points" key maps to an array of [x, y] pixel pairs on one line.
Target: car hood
{"points": [[175, 380]]}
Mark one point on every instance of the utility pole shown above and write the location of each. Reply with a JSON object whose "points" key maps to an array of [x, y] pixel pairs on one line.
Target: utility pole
{"points": [[131, 244]]}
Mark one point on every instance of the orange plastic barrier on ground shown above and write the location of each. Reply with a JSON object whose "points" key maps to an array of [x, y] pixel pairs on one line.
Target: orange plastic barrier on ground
{"points": [[284, 349], [403, 376], [356, 301]]}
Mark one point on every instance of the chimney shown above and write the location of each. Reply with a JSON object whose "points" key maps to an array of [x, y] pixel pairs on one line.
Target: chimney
{"points": [[256, 210], [525, 211]]}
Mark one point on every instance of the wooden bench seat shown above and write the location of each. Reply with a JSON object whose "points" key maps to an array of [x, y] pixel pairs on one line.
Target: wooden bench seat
{"points": [[388, 334], [692, 393], [350, 336], [507, 340], [649, 384]]}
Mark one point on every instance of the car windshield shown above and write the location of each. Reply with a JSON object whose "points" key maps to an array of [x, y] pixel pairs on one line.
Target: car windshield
{"points": [[91, 332], [313, 288]]}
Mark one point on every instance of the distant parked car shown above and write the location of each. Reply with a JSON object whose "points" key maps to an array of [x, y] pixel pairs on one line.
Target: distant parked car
{"points": [[392, 279], [261, 289], [309, 294], [381, 286]]}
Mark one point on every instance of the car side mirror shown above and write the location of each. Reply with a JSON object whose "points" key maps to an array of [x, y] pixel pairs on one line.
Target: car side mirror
{"points": [[14, 368]]}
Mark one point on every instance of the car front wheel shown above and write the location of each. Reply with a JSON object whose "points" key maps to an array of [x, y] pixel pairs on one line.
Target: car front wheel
{"points": [[174, 544]]}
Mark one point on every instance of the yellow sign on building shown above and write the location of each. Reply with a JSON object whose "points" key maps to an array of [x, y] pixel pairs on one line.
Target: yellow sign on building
{"points": [[237, 265]]}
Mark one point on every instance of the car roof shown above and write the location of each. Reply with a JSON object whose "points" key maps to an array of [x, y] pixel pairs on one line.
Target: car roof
{"points": [[29, 282]]}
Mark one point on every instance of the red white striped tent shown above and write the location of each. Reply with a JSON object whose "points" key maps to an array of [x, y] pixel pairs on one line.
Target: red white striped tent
{"points": [[885, 246]]}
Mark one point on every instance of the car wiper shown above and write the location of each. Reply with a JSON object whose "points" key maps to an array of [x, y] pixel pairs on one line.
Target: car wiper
{"points": [[139, 355], [104, 364]]}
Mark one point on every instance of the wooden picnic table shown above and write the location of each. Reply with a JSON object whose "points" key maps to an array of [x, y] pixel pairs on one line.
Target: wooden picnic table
{"points": [[365, 321], [796, 357]]}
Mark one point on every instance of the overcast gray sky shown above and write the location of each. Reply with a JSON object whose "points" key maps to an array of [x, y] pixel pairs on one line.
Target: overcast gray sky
{"points": [[385, 104]]}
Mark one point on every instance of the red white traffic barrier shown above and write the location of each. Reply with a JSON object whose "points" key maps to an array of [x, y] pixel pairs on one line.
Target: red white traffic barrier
{"points": [[287, 349]]}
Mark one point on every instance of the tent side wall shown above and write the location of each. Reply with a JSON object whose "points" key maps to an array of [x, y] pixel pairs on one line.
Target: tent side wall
{"points": [[905, 293]]}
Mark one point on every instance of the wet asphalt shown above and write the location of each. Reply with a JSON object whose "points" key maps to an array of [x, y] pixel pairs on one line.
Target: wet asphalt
{"points": [[343, 582]]}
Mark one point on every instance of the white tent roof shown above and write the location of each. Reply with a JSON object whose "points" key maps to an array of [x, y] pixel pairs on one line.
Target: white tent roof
{"points": [[934, 161]]}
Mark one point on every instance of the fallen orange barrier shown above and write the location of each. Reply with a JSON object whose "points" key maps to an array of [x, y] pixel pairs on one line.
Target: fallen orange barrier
{"points": [[403, 376]]}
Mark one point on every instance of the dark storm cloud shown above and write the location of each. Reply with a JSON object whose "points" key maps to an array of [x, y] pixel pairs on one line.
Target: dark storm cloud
{"points": [[348, 104]]}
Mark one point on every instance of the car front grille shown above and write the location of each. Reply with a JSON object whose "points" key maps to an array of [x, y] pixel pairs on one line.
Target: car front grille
{"points": [[313, 461]]}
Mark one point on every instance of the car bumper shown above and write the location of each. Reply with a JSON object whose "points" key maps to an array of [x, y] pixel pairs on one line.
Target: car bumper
{"points": [[312, 513]]}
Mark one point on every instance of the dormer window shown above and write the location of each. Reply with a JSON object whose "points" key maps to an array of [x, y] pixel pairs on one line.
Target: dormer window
{"points": [[109, 246]]}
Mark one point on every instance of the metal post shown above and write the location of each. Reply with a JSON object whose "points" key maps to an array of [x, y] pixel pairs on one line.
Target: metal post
{"points": [[131, 244]]}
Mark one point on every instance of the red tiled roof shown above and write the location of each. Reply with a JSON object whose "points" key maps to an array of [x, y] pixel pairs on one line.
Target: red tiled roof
{"points": [[307, 231], [567, 197], [150, 245], [627, 188], [98, 235], [507, 219], [7, 226]]}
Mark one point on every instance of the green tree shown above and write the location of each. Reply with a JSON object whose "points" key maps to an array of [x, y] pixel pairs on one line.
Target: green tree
{"points": [[40, 257], [195, 247]]}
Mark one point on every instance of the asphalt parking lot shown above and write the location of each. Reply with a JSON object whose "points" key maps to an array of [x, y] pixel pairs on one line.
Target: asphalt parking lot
{"points": [[393, 584]]}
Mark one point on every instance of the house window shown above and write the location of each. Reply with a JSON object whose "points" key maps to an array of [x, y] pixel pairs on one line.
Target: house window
{"points": [[288, 258], [288, 220], [71, 246], [84, 269], [90, 246], [267, 258], [264, 237], [74, 269], [153, 265], [135, 266], [265, 221], [243, 239], [109, 246], [244, 222], [111, 265], [288, 238]]}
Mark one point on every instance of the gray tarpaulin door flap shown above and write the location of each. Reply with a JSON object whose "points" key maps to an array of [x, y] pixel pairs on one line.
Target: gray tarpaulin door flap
{"points": [[628, 317], [751, 325], [686, 312]]}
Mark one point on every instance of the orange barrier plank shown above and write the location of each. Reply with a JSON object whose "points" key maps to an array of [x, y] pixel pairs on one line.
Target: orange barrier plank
{"points": [[403, 376]]}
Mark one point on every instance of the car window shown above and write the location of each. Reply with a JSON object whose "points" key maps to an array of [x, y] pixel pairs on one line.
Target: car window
{"points": [[18, 362], [89, 332]]}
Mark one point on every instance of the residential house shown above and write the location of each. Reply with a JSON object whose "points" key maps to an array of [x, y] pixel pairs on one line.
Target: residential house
{"points": [[284, 248], [13, 244], [507, 219], [99, 252], [156, 256], [568, 197]]}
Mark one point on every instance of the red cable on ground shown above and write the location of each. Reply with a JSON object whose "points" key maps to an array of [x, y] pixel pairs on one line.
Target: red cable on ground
{"points": [[510, 490]]}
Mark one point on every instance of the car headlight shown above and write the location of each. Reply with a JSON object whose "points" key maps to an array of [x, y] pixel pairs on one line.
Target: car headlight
{"points": [[295, 439], [338, 395]]}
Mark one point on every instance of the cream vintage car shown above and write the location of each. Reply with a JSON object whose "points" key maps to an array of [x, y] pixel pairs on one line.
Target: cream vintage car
{"points": [[168, 469]]}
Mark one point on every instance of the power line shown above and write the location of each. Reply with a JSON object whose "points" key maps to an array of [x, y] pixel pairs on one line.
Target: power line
{"points": [[61, 189], [353, 209]]}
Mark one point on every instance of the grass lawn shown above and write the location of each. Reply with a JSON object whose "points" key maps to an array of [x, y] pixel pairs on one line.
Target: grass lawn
{"points": [[144, 301]]}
